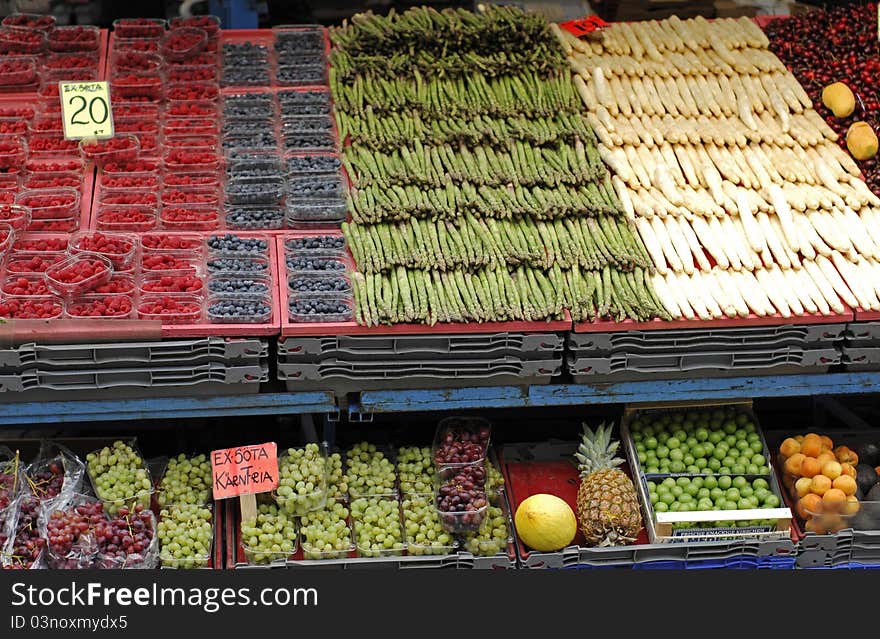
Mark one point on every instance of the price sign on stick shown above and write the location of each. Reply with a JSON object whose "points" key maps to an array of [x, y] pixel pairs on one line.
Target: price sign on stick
{"points": [[85, 110], [243, 472]]}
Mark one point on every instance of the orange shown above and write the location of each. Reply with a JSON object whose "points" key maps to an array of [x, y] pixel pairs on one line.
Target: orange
{"points": [[845, 455], [848, 470], [810, 467], [834, 496], [832, 470], [808, 504], [793, 464], [802, 486], [845, 484], [826, 441], [789, 447], [811, 446], [820, 485], [824, 458]]}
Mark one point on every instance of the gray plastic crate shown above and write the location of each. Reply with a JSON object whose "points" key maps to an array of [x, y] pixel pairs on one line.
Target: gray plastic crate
{"points": [[130, 354], [346, 377], [540, 346], [707, 340], [629, 367], [211, 378], [856, 359], [863, 334]]}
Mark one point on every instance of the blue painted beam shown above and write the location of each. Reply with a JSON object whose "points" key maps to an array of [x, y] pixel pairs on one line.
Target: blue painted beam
{"points": [[166, 408], [617, 392]]}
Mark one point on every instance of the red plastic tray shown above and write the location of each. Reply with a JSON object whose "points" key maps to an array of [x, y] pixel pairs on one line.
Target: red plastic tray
{"points": [[304, 329], [867, 316], [558, 477]]}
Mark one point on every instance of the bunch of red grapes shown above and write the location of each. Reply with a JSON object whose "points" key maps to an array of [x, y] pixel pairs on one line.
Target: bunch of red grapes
{"points": [[125, 538], [71, 535], [837, 45]]}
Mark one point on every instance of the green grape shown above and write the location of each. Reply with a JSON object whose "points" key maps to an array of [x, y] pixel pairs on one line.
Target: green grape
{"points": [[493, 536], [186, 481], [325, 533], [424, 534], [377, 526], [369, 471], [269, 537], [186, 533], [415, 467], [494, 478], [337, 487], [302, 480], [120, 477]]}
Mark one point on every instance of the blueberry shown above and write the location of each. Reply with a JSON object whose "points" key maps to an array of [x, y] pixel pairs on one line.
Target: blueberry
{"points": [[250, 190], [319, 285], [318, 309], [237, 285], [316, 185], [313, 164], [238, 308]]}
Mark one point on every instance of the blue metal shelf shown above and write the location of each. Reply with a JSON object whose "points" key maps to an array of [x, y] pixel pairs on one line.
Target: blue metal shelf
{"points": [[165, 408], [613, 393]]}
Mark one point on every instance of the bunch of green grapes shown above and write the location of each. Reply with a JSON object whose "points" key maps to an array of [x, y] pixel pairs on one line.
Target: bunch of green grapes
{"points": [[186, 481], [302, 480], [493, 536], [186, 532], [415, 467], [336, 481], [494, 478], [272, 535], [120, 477], [325, 533], [424, 534], [377, 526], [369, 471]]}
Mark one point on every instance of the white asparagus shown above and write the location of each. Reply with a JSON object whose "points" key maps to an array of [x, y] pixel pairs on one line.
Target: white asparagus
{"points": [[780, 303], [791, 297], [710, 242], [730, 291], [667, 298], [833, 277]]}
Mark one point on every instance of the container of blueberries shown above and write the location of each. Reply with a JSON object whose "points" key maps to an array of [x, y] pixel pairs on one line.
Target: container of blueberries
{"points": [[238, 74], [225, 264], [307, 124], [248, 108], [322, 283], [316, 185], [233, 286], [254, 140], [317, 245], [245, 126], [312, 263], [297, 141], [320, 210], [239, 310], [233, 245], [313, 163], [269, 166], [257, 217], [255, 190], [316, 307]]}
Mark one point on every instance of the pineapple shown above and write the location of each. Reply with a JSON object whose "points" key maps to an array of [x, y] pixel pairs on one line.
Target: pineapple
{"points": [[607, 507]]}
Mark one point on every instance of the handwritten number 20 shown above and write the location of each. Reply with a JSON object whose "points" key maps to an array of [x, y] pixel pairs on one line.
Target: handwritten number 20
{"points": [[91, 107]]}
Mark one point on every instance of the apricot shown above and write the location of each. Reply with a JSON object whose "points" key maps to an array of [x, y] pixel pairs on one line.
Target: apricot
{"points": [[811, 446], [799, 439], [846, 455], [820, 485], [815, 526], [808, 505], [810, 467], [846, 484], [852, 505], [824, 458], [834, 496], [802, 486], [862, 141], [832, 470], [826, 441], [840, 99], [789, 447], [793, 464], [848, 470]]}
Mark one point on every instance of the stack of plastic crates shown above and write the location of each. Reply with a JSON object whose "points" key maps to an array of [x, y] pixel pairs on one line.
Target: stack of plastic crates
{"points": [[708, 352], [201, 366]]}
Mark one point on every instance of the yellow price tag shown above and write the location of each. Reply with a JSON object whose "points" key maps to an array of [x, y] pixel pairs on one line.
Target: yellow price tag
{"points": [[85, 110]]}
